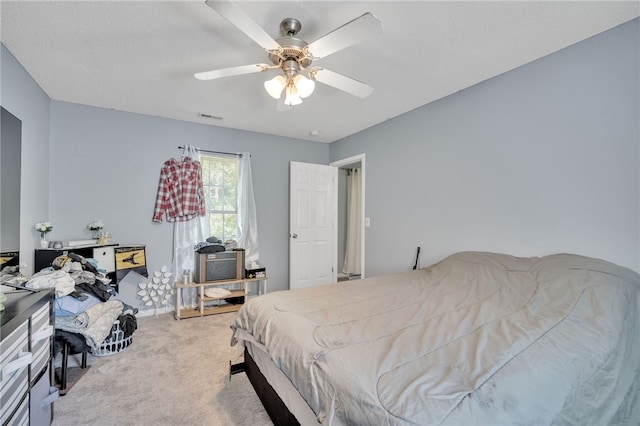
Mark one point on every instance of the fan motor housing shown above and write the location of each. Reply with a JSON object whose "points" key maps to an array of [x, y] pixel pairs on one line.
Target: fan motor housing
{"points": [[293, 48]]}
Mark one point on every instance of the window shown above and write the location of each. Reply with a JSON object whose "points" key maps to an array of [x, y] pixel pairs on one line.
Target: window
{"points": [[219, 181]]}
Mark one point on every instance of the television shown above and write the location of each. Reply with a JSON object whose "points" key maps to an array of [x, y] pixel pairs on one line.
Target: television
{"points": [[219, 266]]}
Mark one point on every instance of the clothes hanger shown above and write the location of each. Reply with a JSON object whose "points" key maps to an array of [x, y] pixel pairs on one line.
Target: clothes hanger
{"points": [[189, 152], [185, 150]]}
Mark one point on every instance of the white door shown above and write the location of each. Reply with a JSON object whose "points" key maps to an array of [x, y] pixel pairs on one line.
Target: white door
{"points": [[312, 212]]}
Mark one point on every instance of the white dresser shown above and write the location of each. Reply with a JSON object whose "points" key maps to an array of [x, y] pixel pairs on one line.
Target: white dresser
{"points": [[26, 393]]}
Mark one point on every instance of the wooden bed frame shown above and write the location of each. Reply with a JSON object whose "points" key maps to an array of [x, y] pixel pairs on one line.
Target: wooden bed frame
{"points": [[277, 410]]}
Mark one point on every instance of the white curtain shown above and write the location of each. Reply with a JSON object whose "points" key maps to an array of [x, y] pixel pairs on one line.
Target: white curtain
{"points": [[247, 221], [353, 247], [185, 236]]}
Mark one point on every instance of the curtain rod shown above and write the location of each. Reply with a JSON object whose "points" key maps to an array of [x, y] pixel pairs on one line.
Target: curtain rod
{"points": [[215, 152]]}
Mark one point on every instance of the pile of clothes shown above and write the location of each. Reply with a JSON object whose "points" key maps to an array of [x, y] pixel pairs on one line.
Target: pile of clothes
{"points": [[85, 303]]}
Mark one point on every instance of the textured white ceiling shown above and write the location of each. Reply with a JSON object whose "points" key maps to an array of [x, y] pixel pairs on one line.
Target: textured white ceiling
{"points": [[140, 56]]}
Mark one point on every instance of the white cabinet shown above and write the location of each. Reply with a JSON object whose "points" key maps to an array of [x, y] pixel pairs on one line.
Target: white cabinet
{"points": [[26, 394]]}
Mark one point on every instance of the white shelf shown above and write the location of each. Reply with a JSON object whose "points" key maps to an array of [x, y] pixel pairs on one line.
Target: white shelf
{"points": [[220, 308]]}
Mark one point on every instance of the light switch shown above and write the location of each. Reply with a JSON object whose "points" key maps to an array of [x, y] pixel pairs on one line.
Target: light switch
{"points": [[367, 221]]}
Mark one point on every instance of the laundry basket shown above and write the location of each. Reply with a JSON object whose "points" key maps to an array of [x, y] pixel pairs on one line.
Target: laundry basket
{"points": [[116, 342]]}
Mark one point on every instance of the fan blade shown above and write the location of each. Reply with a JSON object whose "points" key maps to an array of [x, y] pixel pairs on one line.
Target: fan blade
{"points": [[353, 32], [339, 81], [243, 22], [230, 72]]}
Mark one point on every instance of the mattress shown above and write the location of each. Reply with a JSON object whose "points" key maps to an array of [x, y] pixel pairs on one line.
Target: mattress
{"points": [[477, 338], [281, 385]]}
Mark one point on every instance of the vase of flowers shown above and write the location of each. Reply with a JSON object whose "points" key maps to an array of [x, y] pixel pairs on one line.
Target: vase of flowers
{"points": [[95, 227], [43, 228]]}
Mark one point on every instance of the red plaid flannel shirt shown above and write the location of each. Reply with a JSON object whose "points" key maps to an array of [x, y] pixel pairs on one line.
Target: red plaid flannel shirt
{"points": [[180, 192]]}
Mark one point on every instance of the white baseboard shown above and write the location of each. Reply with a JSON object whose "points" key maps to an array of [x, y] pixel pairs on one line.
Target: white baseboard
{"points": [[151, 312]]}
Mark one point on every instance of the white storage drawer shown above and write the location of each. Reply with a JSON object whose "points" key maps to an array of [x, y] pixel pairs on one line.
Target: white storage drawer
{"points": [[21, 418], [42, 396], [106, 258], [41, 332], [14, 370]]}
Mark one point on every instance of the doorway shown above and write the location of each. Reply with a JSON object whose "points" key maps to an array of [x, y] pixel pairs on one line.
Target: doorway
{"points": [[350, 201], [314, 242]]}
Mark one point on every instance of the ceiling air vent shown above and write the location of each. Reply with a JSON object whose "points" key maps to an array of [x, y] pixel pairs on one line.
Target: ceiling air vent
{"points": [[209, 116]]}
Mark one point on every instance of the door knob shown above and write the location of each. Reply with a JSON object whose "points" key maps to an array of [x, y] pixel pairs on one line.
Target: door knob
{"points": [[294, 235]]}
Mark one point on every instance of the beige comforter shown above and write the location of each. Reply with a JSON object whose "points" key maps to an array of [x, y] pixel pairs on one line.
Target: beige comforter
{"points": [[478, 338]]}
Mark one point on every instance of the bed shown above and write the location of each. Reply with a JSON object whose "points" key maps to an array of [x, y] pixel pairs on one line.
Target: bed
{"points": [[477, 338]]}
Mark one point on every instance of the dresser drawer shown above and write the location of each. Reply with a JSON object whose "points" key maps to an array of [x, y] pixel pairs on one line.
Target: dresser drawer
{"points": [[42, 396], [41, 332], [106, 258], [14, 370], [21, 418]]}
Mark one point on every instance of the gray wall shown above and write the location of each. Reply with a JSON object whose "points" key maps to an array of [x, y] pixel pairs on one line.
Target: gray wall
{"points": [[21, 96], [105, 165], [541, 159]]}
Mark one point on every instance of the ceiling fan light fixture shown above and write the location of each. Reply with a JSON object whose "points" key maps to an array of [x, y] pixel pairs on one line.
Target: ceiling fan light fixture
{"points": [[275, 86], [304, 85], [291, 96], [293, 56]]}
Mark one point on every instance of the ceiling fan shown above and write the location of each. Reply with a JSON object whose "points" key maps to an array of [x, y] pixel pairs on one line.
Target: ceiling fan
{"points": [[294, 56]]}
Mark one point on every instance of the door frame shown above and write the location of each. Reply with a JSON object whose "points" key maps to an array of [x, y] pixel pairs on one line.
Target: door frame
{"points": [[360, 158]]}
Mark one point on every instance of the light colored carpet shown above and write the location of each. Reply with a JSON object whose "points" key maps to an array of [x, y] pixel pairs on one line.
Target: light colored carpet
{"points": [[174, 373]]}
